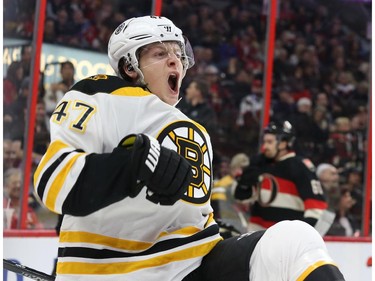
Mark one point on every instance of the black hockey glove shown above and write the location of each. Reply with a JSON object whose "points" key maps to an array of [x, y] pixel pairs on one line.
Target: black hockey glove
{"points": [[245, 183], [166, 174]]}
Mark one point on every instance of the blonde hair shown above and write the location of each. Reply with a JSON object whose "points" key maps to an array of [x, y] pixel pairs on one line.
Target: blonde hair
{"points": [[239, 160]]}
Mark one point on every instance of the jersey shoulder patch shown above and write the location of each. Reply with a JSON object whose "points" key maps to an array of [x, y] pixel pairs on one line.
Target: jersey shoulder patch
{"points": [[309, 164], [101, 83]]}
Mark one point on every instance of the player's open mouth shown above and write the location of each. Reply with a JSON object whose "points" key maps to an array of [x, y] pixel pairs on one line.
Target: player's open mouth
{"points": [[172, 81]]}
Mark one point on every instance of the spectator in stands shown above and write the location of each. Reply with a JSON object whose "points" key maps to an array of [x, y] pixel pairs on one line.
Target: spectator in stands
{"points": [[7, 155], [361, 94], [302, 123], [64, 27], [50, 31], [212, 76], [191, 24], [354, 183], [359, 125], [41, 134], [197, 107], [220, 99], [26, 55], [57, 90], [284, 106], [251, 104], [341, 143], [320, 129], [222, 188], [344, 225], [13, 153], [227, 55], [14, 127], [41, 130], [345, 91], [20, 104], [239, 84], [328, 176], [283, 67], [321, 99], [11, 83], [12, 200]]}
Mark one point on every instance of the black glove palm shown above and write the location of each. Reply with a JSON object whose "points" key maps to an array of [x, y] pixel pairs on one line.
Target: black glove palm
{"points": [[166, 174], [245, 182]]}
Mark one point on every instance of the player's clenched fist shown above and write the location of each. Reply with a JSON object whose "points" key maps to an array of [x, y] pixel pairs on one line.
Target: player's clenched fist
{"points": [[166, 174], [246, 182]]}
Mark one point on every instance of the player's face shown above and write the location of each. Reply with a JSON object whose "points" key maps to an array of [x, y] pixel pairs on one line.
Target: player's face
{"points": [[270, 146], [14, 186], [161, 65], [192, 91]]}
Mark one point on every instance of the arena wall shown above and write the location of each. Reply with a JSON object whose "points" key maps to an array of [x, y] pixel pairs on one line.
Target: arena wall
{"points": [[38, 250]]}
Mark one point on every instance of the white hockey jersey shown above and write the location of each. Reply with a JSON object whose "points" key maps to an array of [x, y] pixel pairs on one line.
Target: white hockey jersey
{"points": [[132, 238]]}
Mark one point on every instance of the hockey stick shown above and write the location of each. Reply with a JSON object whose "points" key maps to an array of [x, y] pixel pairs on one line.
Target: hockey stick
{"points": [[27, 271]]}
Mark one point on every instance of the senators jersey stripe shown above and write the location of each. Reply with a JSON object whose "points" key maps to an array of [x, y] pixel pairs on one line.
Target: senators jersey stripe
{"points": [[67, 267], [283, 185], [313, 213], [262, 222], [315, 204], [282, 200]]}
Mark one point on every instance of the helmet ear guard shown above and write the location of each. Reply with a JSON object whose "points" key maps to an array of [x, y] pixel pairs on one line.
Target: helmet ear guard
{"points": [[121, 70]]}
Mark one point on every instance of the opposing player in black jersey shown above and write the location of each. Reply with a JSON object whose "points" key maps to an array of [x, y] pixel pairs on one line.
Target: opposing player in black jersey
{"points": [[287, 187], [132, 176]]}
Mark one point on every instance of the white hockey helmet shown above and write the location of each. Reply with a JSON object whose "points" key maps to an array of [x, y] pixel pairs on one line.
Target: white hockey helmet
{"points": [[137, 32]]}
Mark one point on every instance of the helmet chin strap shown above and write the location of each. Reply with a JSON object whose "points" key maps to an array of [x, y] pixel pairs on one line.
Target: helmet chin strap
{"points": [[177, 102], [141, 78], [278, 150]]}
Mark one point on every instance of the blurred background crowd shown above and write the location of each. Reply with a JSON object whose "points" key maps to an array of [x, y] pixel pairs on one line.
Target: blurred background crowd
{"points": [[321, 79]]}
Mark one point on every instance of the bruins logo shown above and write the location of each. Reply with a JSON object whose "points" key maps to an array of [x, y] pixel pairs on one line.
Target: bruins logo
{"points": [[189, 141]]}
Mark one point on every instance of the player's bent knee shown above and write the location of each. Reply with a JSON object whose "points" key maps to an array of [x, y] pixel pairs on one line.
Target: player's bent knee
{"points": [[295, 230]]}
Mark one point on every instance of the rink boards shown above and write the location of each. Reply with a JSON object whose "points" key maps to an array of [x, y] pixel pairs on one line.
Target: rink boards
{"points": [[38, 250]]}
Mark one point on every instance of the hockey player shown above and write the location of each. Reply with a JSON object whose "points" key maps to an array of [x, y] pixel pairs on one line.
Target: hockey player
{"points": [[132, 176], [288, 188]]}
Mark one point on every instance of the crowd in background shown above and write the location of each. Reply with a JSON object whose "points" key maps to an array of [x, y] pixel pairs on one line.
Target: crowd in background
{"points": [[321, 79]]}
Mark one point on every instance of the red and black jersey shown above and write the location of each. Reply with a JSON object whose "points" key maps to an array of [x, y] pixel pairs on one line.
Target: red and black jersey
{"points": [[288, 189]]}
